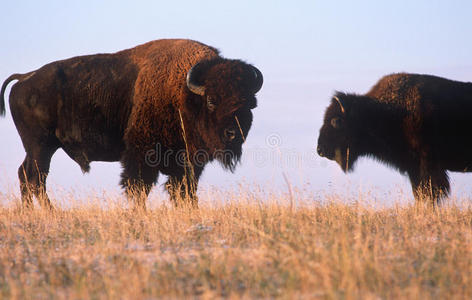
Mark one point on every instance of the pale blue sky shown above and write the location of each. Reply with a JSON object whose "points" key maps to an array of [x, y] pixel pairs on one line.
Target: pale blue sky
{"points": [[306, 50]]}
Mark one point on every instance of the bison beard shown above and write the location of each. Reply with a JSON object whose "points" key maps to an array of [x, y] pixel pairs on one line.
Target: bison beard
{"points": [[230, 157], [178, 94]]}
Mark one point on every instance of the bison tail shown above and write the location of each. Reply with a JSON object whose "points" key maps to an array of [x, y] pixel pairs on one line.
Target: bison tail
{"points": [[4, 87]]}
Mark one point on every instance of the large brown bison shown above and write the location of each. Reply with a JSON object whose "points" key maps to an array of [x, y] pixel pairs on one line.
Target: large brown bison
{"points": [[418, 124], [167, 106]]}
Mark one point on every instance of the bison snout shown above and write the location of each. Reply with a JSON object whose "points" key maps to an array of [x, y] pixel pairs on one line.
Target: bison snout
{"points": [[230, 134], [320, 153]]}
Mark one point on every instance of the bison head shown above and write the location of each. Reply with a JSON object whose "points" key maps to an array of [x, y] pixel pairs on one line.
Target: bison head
{"points": [[224, 93], [337, 139]]}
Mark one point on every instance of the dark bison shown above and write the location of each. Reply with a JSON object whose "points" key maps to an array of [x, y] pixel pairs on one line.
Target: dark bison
{"points": [[167, 106], [418, 124]]}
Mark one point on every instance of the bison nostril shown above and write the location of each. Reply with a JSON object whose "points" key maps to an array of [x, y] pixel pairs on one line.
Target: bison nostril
{"points": [[320, 153], [230, 134]]}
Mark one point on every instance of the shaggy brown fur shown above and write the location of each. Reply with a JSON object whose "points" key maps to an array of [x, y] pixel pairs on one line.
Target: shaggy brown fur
{"points": [[418, 124], [136, 107]]}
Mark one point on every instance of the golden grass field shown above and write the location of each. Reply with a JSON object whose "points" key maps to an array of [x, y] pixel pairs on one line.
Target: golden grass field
{"points": [[240, 246]]}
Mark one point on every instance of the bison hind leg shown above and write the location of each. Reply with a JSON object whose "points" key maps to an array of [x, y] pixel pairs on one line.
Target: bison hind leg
{"points": [[24, 173], [32, 175], [430, 187]]}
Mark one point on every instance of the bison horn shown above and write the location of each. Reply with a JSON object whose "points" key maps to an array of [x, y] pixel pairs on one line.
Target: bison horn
{"points": [[191, 81], [340, 104], [259, 80]]}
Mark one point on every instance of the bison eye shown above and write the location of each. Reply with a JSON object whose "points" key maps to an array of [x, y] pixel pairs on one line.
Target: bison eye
{"points": [[336, 122]]}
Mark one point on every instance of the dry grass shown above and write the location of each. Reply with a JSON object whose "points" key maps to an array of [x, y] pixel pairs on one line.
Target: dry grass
{"points": [[247, 248]]}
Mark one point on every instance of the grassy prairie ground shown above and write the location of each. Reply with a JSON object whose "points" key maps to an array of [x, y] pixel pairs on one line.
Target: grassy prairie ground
{"points": [[245, 247]]}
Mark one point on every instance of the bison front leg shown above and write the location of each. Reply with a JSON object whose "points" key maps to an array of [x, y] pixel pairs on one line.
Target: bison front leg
{"points": [[138, 183], [430, 186], [182, 188]]}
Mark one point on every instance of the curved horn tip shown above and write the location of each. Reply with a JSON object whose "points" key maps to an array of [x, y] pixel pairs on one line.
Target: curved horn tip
{"points": [[259, 79], [340, 104], [192, 86]]}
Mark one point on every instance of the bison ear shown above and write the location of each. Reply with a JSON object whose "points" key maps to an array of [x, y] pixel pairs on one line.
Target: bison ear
{"points": [[340, 103]]}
